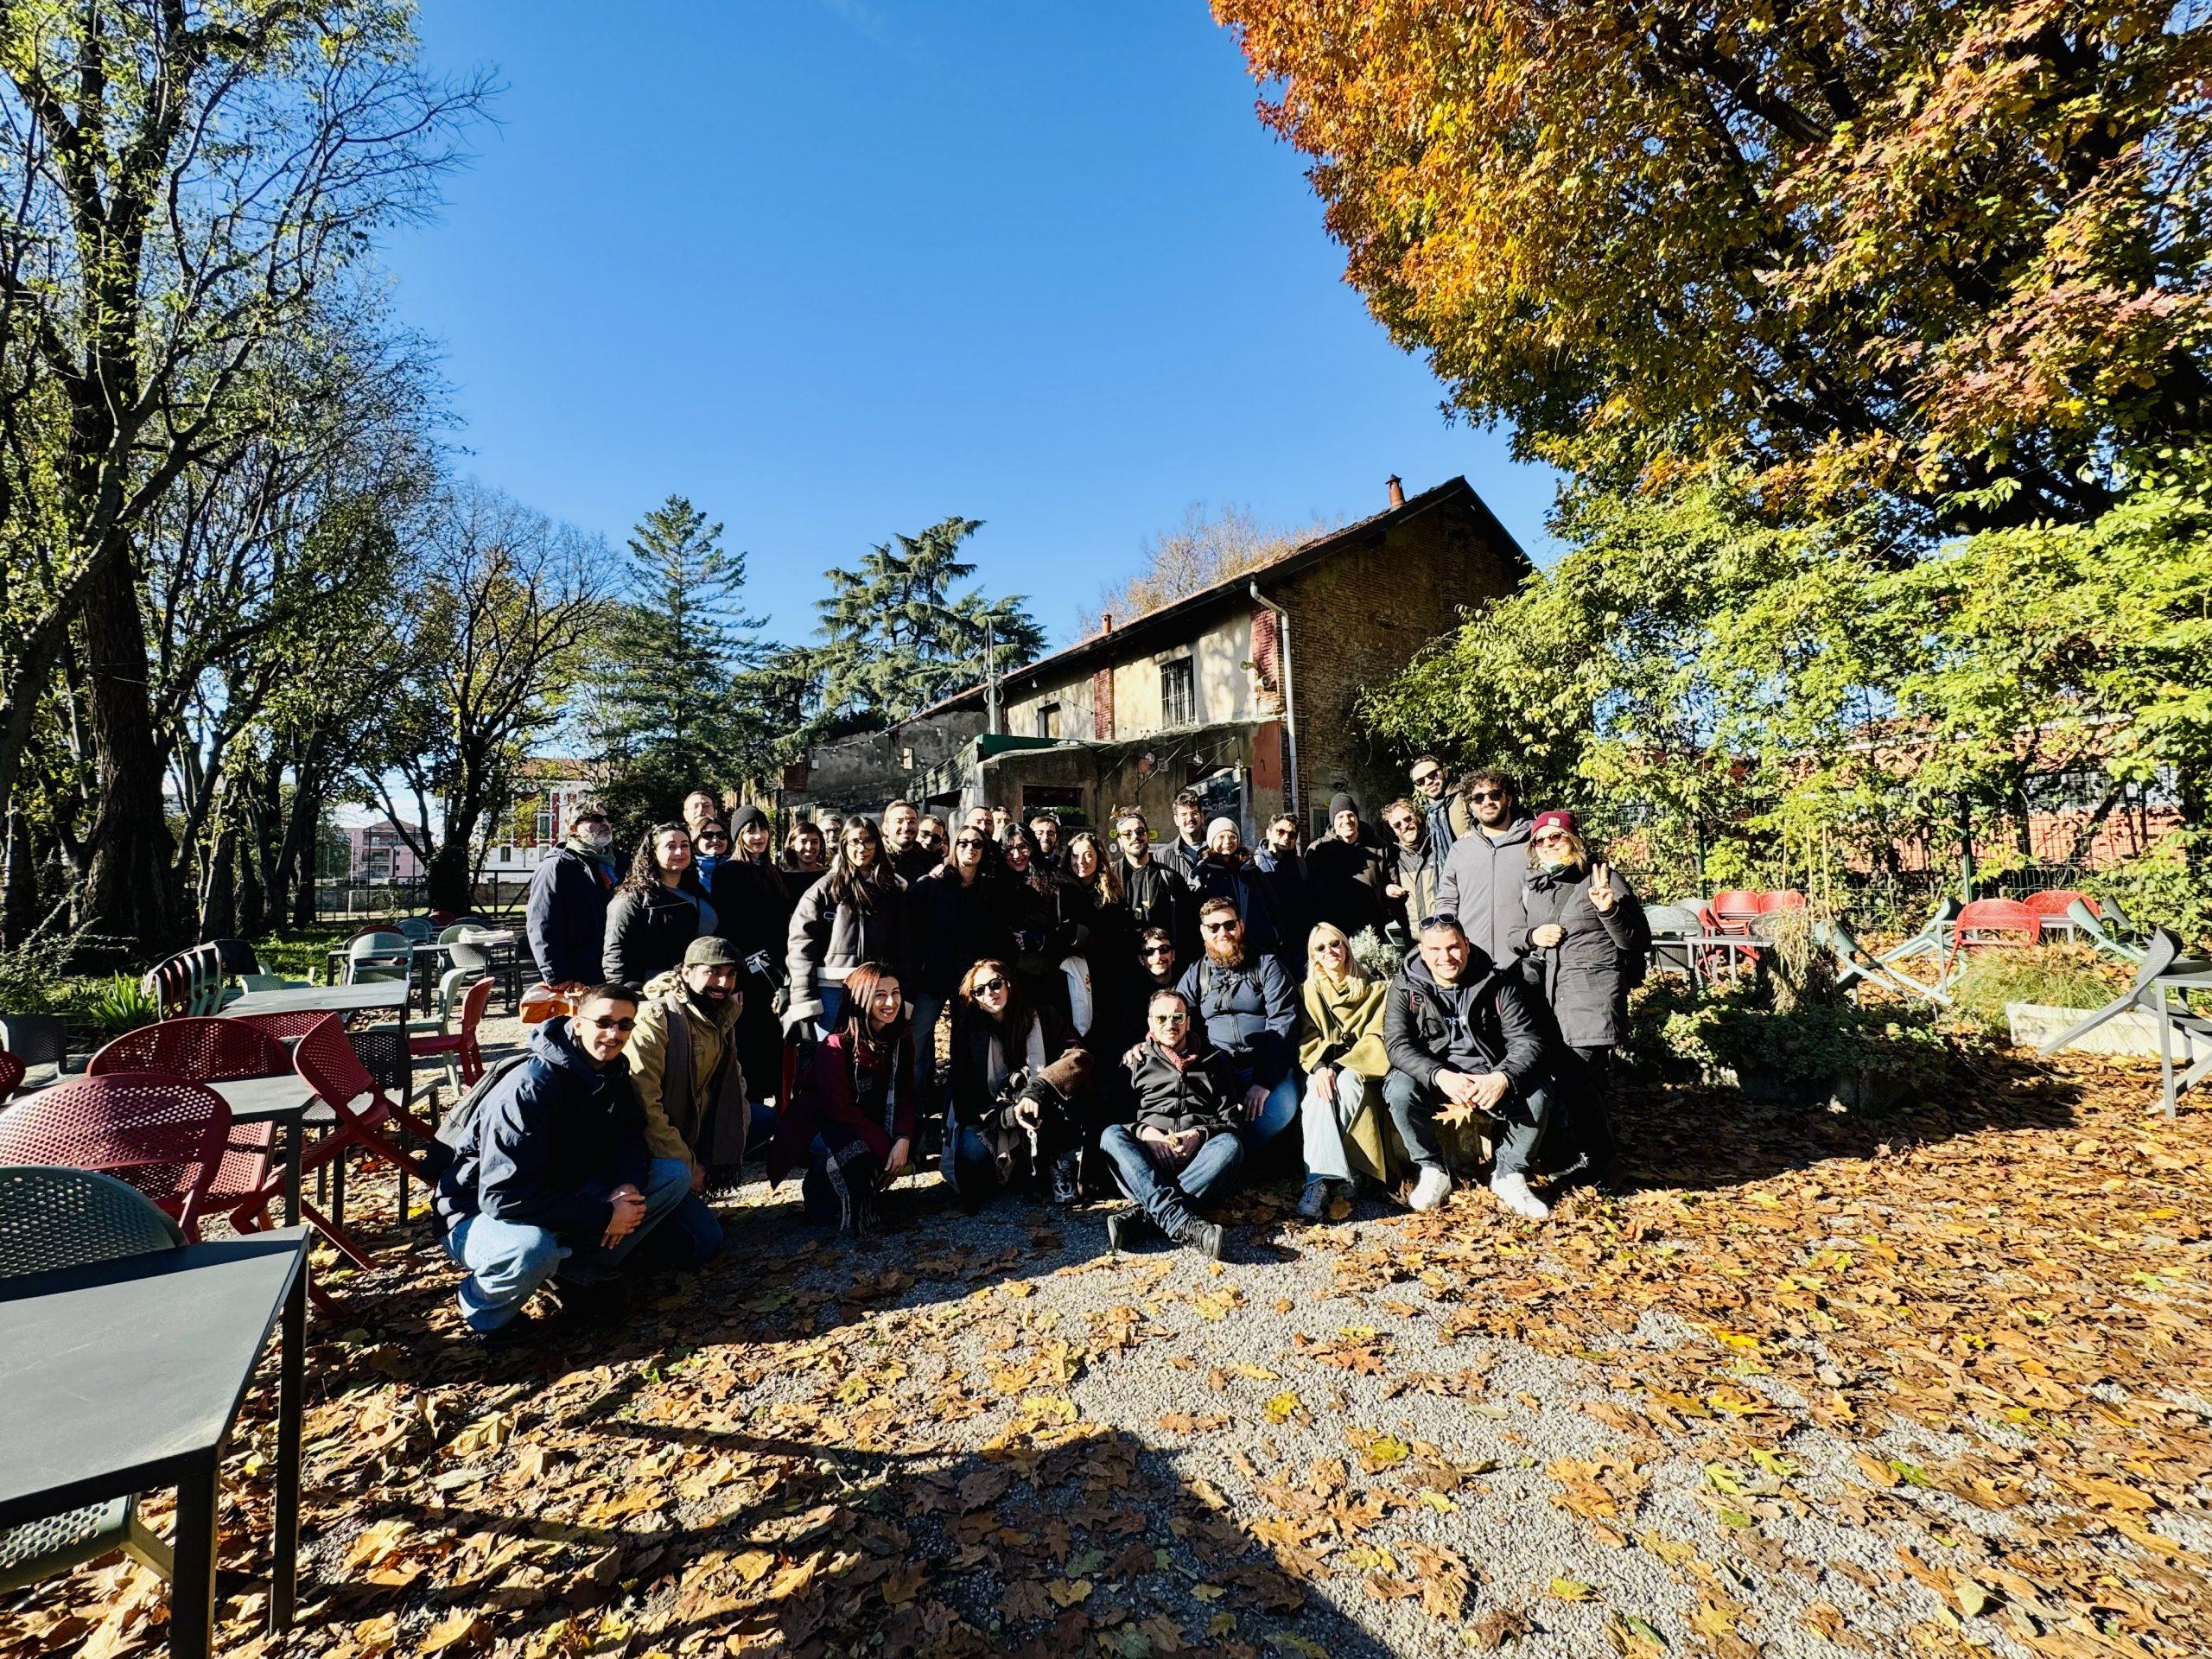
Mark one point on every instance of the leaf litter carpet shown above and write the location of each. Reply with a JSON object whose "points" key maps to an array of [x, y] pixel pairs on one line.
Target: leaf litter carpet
{"points": [[1937, 1381]]}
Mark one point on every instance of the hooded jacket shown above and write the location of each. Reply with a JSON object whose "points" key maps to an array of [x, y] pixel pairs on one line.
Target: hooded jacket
{"points": [[550, 1143], [1418, 869], [1347, 880], [1253, 895], [1481, 885], [1586, 977], [827, 940], [684, 1062], [1197, 1090], [566, 914], [1484, 1023], [1249, 1012]]}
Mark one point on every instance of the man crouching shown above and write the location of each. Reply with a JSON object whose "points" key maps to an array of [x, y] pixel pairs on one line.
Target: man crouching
{"points": [[551, 1178], [1183, 1148]]}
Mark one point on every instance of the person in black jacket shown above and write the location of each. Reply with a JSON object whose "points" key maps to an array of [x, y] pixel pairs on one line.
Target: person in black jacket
{"points": [[1227, 872], [957, 921], [566, 915], [1020, 1092], [1279, 860], [551, 1177], [753, 903], [1183, 1148], [659, 909], [1189, 846], [1345, 872], [1153, 892], [1586, 943], [902, 839], [1463, 1034]]}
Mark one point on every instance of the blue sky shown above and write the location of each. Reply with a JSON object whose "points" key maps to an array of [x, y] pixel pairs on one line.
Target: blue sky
{"points": [[838, 268]]}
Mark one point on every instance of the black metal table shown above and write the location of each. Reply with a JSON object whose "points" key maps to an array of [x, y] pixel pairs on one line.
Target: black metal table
{"points": [[126, 1376]]}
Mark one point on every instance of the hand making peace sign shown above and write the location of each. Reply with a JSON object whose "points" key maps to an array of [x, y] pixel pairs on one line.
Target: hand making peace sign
{"points": [[1602, 895]]}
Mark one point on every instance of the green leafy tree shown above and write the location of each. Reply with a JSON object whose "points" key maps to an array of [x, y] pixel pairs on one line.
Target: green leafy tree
{"points": [[671, 712], [897, 638]]}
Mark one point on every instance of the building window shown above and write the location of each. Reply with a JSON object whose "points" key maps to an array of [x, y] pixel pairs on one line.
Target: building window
{"points": [[1048, 721], [545, 823], [1178, 692]]}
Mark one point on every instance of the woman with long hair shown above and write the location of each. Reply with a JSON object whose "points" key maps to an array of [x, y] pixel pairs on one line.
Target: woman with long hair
{"points": [[1105, 932], [659, 909], [851, 1119], [1584, 941], [1019, 1092], [755, 903], [1042, 917], [855, 913], [1340, 1050], [804, 852]]}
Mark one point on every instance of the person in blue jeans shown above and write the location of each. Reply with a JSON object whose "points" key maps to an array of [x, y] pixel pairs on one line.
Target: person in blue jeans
{"points": [[1249, 1009], [1183, 1146], [551, 1178]]}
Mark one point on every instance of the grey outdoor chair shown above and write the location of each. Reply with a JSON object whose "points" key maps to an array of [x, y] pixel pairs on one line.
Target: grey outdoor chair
{"points": [[64, 1218], [1673, 927], [2088, 925], [1856, 966], [2185, 1036], [40, 1041]]}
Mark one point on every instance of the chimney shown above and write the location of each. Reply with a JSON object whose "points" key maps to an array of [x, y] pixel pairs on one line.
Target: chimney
{"points": [[1106, 623], [1397, 490]]}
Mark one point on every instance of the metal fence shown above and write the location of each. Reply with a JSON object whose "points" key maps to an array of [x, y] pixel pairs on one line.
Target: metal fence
{"points": [[367, 900]]}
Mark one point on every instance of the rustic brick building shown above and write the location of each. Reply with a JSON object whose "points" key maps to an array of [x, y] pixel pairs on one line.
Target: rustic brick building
{"points": [[1243, 690]]}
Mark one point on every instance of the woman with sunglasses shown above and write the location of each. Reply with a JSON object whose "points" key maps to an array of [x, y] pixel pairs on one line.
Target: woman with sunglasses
{"points": [[1019, 1093], [956, 920], [1340, 1050], [1105, 933], [1585, 947], [1040, 916], [657, 911], [851, 1117], [856, 913], [755, 903]]}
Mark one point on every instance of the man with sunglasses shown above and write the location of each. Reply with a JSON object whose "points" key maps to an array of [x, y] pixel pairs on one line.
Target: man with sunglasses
{"points": [[1481, 882], [1182, 1147], [551, 1177], [1249, 1009], [1153, 892], [1432, 794]]}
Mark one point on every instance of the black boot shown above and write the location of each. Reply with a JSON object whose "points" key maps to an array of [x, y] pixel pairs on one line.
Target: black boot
{"points": [[1067, 1177]]}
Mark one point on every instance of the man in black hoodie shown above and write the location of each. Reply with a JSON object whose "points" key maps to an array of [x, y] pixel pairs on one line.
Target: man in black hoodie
{"points": [[1183, 1146], [1459, 1033], [1153, 890], [566, 914], [1344, 873], [551, 1174]]}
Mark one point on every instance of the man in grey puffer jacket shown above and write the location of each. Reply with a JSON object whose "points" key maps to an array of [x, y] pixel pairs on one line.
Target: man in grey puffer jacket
{"points": [[1482, 873]]}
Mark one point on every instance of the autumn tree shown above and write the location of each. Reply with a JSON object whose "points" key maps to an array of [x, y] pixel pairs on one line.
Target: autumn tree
{"points": [[185, 184], [1953, 255], [1207, 547]]}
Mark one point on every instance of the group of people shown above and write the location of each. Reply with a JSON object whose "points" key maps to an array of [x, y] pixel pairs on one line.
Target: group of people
{"points": [[1061, 1014]]}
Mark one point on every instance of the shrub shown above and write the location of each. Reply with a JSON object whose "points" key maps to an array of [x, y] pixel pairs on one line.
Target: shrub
{"points": [[1815, 1044], [2065, 976]]}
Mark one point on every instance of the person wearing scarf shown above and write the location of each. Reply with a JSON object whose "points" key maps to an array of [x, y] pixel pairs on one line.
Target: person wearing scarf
{"points": [[1340, 1050]]}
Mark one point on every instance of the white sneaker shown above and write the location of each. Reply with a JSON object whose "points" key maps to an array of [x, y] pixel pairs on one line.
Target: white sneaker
{"points": [[1314, 1201], [1512, 1192], [1428, 1191]]}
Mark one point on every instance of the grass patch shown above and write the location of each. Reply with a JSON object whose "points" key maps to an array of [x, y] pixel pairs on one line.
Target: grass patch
{"points": [[2057, 975]]}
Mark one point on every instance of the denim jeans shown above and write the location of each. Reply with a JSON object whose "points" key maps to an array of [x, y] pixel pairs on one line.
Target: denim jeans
{"points": [[1323, 1131], [509, 1260], [1413, 1111], [1167, 1202], [970, 1169]]}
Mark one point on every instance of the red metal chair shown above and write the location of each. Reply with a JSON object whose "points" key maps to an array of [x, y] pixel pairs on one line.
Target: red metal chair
{"points": [[467, 1057], [1734, 910], [208, 1049], [359, 1111], [11, 1073], [1992, 925], [2052, 904], [164, 1135], [1779, 900]]}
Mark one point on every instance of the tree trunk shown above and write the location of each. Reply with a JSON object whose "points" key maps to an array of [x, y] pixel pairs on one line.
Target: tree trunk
{"points": [[217, 908], [130, 894], [19, 905], [447, 875]]}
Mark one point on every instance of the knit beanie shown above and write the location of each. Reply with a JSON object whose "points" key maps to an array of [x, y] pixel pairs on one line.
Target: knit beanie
{"points": [[1340, 802], [747, 815]]}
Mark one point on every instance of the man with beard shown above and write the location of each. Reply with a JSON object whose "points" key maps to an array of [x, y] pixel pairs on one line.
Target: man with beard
{"points": [[1155, 893], [1433, 796], [1412, 867], [1482, 873], [1279, 860], [566, 914], [1046, 828], [1249, 1009], [902, 837], [684, 1063], [1182, 854], [1460, 1033], [1345, 873]]}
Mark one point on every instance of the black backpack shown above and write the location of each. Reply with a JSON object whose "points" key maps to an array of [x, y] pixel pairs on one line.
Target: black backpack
{"points": [[458, 1128]]}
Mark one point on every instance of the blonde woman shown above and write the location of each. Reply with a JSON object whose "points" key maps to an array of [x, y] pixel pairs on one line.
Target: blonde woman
{"points": [[1340, 1050]]}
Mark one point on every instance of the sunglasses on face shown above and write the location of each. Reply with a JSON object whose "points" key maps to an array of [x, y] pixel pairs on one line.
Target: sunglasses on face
{"points": [[969, 841], [1488, 795], [1220, 927], [990, 986], [1549, 836], [611, 1024], [1426, 779], [1160, 950]]}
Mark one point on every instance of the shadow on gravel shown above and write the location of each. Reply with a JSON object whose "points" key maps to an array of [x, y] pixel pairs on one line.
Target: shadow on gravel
{"points": [[1097, 1543]]}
